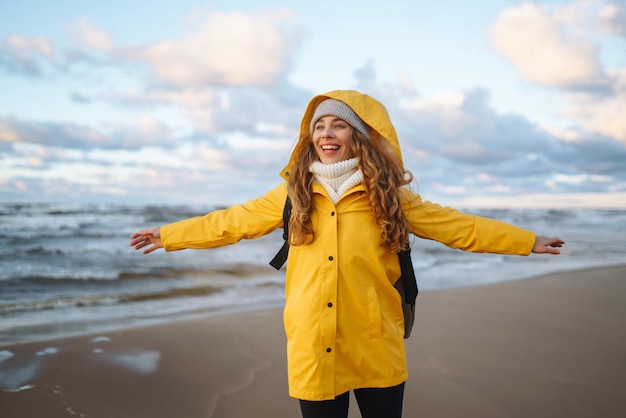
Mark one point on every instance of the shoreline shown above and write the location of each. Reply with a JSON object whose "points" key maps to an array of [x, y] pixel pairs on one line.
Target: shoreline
{"points": [[72, 330], [547, 346]]}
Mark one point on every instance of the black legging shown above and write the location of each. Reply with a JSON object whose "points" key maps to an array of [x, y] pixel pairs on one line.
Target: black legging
{"points": [[373, 403]]}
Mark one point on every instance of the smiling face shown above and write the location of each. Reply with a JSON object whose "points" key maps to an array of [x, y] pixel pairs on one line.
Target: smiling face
{"points": [[332, 139]]}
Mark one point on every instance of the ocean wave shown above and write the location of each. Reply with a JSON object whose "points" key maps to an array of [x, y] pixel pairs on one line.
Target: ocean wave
{"points": [[51, 275], [25, 233], [9, 309], [95, 300], [170, 293], [40, 249], [83, 301], [237, 270]]}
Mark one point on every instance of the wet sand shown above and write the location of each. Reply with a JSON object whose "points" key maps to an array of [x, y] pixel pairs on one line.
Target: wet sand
{"points": [[554, 346]]}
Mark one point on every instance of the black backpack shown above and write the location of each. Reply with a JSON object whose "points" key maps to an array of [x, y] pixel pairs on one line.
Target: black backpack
{"points": [[406, 284]]}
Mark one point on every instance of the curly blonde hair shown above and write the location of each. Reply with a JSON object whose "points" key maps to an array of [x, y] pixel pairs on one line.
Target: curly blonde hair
{"points": [[384, 176]]}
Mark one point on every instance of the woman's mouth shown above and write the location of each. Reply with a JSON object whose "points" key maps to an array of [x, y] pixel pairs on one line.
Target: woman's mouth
{"points": [[330, 147]]}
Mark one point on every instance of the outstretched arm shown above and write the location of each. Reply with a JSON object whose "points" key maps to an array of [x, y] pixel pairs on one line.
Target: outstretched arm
{"points": [[145, 237], [547, 245]]}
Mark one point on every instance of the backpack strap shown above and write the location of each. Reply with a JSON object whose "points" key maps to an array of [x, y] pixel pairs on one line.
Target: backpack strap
{"points": [[407, 275], [281, 257]]}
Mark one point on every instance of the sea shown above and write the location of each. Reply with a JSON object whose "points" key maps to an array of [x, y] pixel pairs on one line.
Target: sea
{"points": [[68, 269]]}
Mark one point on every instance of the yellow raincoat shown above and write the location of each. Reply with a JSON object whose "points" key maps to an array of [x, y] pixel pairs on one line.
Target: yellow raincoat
{"points": [[343, 317]]}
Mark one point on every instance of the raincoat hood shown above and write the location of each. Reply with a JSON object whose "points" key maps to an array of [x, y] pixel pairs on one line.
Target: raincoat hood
{"points": [[370, 110]]}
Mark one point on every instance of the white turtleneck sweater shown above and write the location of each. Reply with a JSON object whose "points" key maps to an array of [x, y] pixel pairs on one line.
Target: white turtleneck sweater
{"points": [[337, 178]]}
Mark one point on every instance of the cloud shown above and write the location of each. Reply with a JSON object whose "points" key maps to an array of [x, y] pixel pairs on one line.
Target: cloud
{"points": [[144, 160], [559, 47], [606, 118], [26, 55], [224, 50], [229, 72], [594, 155], [612, 18], [457, 144], [252, 110], [84, 33], [465, 129], [218, 110], [145, 131], [539, 42], [80, 98], [234, 49]]}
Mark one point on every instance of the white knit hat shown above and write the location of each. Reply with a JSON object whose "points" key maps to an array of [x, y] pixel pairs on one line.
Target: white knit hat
{"points": [[333, 107]]}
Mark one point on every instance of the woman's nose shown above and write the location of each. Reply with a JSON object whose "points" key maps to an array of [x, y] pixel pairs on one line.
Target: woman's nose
{"points": [[327, 132]]}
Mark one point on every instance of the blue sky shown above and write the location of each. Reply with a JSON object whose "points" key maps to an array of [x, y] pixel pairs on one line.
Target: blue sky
{"points": [[497, 103]]}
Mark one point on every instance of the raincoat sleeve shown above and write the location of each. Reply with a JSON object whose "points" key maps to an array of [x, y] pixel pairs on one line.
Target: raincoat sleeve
{"points": [[253, 219], [464, 231]]}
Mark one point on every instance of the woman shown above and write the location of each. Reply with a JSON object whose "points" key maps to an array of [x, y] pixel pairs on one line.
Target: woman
{"points": [[352, 213]]}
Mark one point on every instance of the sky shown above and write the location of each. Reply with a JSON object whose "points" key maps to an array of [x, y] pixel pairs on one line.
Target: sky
{"points": [[497, 103]]}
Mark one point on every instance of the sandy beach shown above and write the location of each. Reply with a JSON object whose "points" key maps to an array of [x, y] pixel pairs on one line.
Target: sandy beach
{"points": [[553, 346]]}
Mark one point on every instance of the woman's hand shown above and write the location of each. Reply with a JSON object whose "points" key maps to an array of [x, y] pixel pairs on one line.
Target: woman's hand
{"points": [[145, 237], [546, 245]]}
